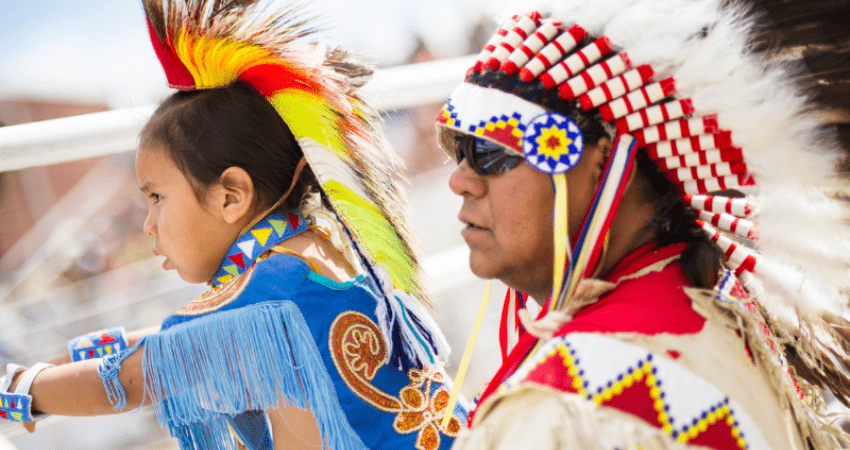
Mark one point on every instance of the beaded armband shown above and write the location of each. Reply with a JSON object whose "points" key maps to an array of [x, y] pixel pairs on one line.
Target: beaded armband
{"points": [[17, 406], [98, 344]]}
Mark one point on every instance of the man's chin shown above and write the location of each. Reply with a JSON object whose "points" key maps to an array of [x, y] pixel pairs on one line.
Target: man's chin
{"points": [[482, 267]]}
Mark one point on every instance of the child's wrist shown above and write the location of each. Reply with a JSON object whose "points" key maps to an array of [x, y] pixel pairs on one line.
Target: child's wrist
{"points": [[15, 401], [16, 378]]}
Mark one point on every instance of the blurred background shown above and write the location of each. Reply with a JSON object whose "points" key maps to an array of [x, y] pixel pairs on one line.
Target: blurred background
{"points": [[73, 257]]}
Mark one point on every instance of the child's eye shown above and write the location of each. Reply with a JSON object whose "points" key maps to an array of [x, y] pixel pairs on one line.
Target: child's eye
{"points": [[156, 197]]}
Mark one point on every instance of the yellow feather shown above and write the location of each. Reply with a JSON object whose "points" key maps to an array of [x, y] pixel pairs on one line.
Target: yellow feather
{"points": [[216, 61], [183, 48], [309, 115], [375, 232]]}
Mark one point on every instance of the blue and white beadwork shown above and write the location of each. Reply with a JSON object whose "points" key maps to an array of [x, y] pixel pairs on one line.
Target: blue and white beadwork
{"points": [[552, 143], [473, 107], [16, 407], [264, 235], [98, 344], [448, 115]]}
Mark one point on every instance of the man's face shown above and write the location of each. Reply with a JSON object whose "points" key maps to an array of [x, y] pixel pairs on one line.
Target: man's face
{"points": [[508, 220]]}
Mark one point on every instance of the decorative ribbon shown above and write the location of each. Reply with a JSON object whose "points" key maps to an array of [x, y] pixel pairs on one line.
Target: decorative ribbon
{"points": [[467, 355]]}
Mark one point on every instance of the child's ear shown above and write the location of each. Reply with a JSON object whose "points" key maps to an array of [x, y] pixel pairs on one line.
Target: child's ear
{"points": [[237, 194]]}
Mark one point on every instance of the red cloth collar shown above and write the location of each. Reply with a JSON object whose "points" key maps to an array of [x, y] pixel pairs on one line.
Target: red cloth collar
{"points": [[644, 256]]}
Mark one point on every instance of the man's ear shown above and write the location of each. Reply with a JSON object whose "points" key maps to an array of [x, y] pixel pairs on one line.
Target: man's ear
{"points": [[237, 194], [606, 145], [599, 154]]}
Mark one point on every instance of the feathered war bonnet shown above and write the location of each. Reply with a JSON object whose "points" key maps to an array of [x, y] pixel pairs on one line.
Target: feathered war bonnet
{"points": [[208, 44], [728, 101]]}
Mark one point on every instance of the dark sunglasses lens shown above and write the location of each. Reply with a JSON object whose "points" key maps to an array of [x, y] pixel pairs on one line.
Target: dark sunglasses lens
{"points": [[489, 158], [461, 145]]}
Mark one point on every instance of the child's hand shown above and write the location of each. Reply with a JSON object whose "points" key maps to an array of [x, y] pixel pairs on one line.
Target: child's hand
{"points": [[15, 389]]}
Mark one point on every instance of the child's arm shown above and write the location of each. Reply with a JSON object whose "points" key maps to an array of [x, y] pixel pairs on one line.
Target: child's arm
{"points": [[295, 428], [76, 389], [134, 336]]}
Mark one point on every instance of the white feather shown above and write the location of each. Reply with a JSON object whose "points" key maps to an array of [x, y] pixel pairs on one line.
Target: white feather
{"points": [[705, 45]]}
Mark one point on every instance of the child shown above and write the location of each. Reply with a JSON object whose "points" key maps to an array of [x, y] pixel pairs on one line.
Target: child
{"points": [[306, 338]]}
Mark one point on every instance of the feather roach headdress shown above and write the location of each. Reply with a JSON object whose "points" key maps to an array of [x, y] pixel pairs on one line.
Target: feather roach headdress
{"points": [[742, 105], [206, 44]]}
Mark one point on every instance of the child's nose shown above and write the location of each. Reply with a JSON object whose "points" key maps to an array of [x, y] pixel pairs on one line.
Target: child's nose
{"points": [[150, 225]]}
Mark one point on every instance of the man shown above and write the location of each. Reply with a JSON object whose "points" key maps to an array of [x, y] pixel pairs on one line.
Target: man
{"points": [[587, 149]]}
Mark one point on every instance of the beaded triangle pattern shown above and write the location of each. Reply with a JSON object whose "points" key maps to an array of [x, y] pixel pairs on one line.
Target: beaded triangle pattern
{"points": [[15, 407], [98, 344], [264, 235], [655, 389]]}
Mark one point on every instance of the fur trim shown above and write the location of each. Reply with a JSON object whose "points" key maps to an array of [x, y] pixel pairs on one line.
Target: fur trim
{"points": [[801, 399]]}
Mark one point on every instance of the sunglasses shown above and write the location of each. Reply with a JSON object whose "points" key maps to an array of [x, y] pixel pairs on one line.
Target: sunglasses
{"points": [[485, 157]]}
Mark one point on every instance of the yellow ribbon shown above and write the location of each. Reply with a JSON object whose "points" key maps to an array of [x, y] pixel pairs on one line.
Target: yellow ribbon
{"points": [[467, 355], [561, 238]]}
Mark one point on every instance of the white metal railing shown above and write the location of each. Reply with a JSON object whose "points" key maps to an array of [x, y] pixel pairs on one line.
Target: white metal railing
{"points": [[105, 133]]}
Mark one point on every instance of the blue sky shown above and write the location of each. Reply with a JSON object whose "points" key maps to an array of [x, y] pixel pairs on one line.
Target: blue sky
{"points": [[98, 50]]}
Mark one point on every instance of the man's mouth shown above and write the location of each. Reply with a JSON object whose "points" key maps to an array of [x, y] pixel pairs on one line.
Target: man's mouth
{"points": [[471, 225]]}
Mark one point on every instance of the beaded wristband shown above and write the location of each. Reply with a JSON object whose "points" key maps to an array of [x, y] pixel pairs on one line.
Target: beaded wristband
{"points": [[17, 406], [98, 344]]}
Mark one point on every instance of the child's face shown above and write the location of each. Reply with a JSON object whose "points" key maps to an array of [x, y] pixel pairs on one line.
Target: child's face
{"points": [[192, 236]]}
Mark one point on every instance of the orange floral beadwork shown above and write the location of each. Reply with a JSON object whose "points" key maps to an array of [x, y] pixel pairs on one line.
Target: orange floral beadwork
{"points": [[358, 351]]}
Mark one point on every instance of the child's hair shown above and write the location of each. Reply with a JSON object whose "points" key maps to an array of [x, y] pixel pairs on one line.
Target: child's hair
{"points": [[207, 131]]}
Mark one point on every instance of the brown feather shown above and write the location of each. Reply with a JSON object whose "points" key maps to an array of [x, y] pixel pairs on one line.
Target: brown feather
{"points": [[815, 34], [156, 16]]}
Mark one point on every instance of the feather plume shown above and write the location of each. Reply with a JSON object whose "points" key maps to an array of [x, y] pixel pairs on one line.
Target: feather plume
{"points": [[777, 74], [213, 43]]}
